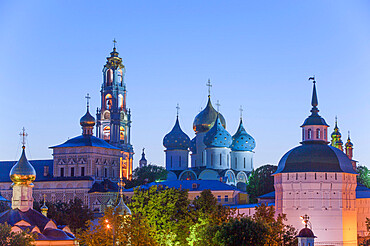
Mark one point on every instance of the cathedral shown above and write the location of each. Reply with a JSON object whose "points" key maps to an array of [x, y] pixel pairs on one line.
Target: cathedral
{"points": [[88, 167], [215, 154]]}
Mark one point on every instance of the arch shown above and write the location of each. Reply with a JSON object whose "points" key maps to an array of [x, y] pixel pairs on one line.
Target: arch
{"points": [[318, 133], [106, 133], [69, 185], [122, 133], [59, 186], [230, 177], [80, 185], [242, 177], [108, 101], [46, 186], [120, 101], [120, 75], [309, 134], [188, 175], [171, 176], [109, 77], [209, 174]]}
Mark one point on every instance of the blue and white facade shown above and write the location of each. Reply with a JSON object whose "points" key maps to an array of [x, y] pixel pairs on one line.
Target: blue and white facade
{"points": [[214, 153]]}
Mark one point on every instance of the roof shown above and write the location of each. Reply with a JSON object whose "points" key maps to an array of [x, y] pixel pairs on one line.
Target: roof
{"points": [[242, 141], [38, 165], [104, 186], [306, 232], [315, 157], [253, 205], [268, 195], [213, 185], [85, 140], [362, 191], [217, 136], [176, 138], [207, 118]]}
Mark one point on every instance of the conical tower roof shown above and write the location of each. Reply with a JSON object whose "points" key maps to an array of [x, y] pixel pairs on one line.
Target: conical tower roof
{"points": [[242, 141], [22, 171]]}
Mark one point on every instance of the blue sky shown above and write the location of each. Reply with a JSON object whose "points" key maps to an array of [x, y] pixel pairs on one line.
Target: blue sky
{"points": [[258, 54]]}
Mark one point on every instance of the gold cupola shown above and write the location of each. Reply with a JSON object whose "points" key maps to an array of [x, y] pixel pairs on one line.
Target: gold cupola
{"points": [[22, 172]]}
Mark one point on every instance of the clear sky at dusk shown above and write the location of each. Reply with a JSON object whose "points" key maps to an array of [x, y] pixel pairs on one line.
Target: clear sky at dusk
{"points": [[258, 54]]}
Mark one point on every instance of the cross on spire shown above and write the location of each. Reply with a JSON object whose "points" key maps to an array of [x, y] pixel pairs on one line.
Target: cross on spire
{"points": [[114, 43], [218, 105], [23, 134], [312, 78], [177, 109], [209, 87], [87, 99]]}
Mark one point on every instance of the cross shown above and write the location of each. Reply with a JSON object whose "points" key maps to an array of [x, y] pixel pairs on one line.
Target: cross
{"points": [[241, 111], [114, 43], [209, 87], [218, 105], [305, 219], [23, 134], [178, 109], [87, 99]]}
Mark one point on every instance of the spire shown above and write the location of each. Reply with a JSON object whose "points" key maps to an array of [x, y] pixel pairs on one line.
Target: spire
{"points": [[314, 101], [121, 207]]}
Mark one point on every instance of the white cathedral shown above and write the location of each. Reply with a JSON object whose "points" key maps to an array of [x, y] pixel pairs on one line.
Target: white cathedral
{"points": [[215, 154]]}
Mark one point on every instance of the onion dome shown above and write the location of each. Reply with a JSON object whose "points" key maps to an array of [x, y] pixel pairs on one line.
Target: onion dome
{"points": [[207, 118], [336, 133], [176, 138], [349, 143], [217, 136], [193, 145], [22, 172], [87, 120], [306, 232], [314, 118], [121, 207], [315, 157], [242, 141]]}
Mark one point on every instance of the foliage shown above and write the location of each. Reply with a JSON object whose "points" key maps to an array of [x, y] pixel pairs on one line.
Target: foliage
{"points": [[146, 174], [74, 213], [365, 241], [167, 212], [261, 182], [277, 232], [4, 206], [363, 176], [128, 230], [9, 238]]}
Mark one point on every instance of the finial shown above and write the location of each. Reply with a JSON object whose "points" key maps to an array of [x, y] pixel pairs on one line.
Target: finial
{"points": [[241, 111], [209, 87], [143, 150], [23, 134], [87, 99], [314, 101], [178, 110], [349, 137], [114, 43], [306, 220], [336, 122], [218, 105], [44, 198]]}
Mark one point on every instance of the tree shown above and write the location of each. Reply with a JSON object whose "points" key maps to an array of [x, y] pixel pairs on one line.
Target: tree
{"points": [[166, 211], [128, 230], [363, 176], [74, 213], [146, 174], [9, 238], [277, 232], [261, 182]]}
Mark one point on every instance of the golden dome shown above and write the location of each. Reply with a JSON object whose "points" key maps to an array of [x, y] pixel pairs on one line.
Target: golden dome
{"points": [[87, 119], [207, 118], [22, 172]]}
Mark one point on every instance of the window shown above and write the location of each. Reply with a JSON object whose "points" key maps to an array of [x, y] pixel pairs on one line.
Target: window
{"points": [[287, 177], [105, 172], [226, 198], [46, 170], [202, 157], [309, 134], [113, 173], [318, 133], [62, 172], [220, 160], [179, 161], [228, 164], [302, 133], [315, 176], [219, 198], [236, 162], [171, 161], [82, 171], [97, 172], [296, 176], [244, 162], [326, 176], [211, 159], [72, 171], [325, 134], [194, 186], [335, 176]]}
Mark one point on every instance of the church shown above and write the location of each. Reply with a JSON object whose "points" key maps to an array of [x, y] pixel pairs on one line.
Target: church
{"points": [[88, 167], [215, 154]]}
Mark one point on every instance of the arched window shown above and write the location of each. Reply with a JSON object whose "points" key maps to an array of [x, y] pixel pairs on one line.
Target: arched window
{"points": [[244, 162], [211, 159], [325, 134], [109, 77], [120, 101], [309, 133], [106, 133], [108, 101], [220, 159], [122, 133], [179, 161], [236, 162], [318, 133], [171, 161]]}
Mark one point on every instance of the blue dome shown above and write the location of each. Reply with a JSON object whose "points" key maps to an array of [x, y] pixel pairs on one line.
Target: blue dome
{"points": [[242, 141], [217, 136], [193, 145], [176, 138]]}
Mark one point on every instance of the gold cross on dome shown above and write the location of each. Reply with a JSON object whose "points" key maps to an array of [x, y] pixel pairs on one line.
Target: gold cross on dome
{"points": [[87, 99], [23, 134], [209, 87]]}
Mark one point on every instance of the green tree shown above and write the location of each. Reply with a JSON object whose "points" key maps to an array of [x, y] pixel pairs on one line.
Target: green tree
{"points": [[261, 182], [9, 238], [277, 232], [127, 230], [243, 231], [74, 213], [146, 174], [363, 176], [167, 212]]}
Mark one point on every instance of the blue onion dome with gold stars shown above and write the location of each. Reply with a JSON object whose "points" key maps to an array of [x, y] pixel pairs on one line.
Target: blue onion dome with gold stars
{"points": [[87, 119], [204, 121], [176, 138], [217, 136], [314, 118], [22, 172], [242, 141]]}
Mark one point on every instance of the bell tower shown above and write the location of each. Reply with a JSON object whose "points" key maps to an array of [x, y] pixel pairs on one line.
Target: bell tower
{"points": [[113, 117]]}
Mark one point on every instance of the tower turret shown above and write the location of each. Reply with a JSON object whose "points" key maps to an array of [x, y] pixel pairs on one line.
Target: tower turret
{"points": [[143, 162], [87, 121], [336, 137]]}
